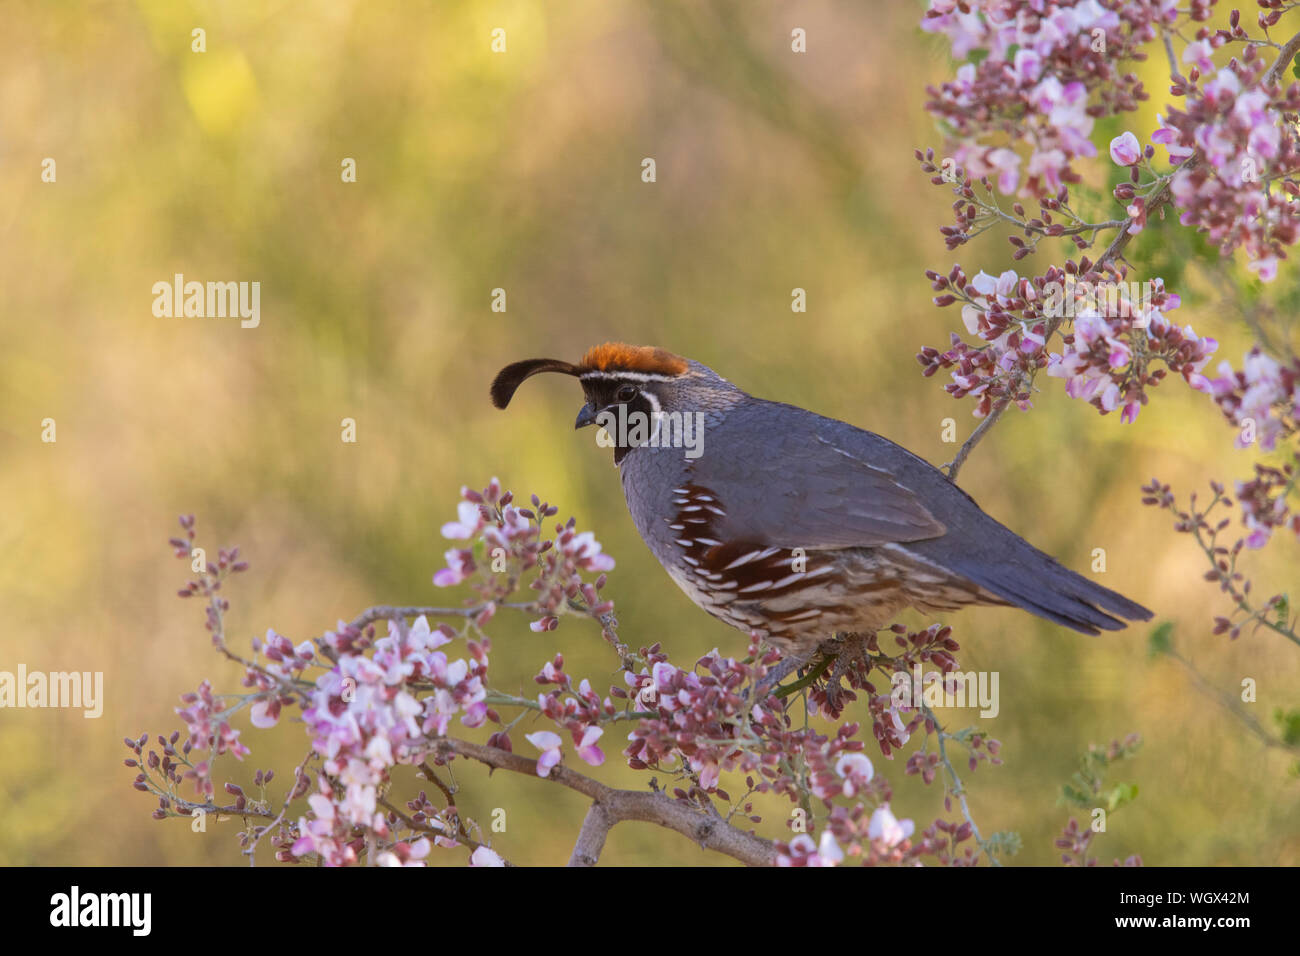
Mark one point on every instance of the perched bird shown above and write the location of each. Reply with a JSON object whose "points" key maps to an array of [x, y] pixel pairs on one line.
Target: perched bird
{"points": [[778, 520]]}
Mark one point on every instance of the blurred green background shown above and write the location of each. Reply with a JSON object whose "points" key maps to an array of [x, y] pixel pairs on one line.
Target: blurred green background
{"points": [[522, 171]]}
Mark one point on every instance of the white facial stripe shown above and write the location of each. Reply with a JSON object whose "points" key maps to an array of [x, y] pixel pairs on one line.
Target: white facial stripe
{"points": [[656, 415], [629, 376]]}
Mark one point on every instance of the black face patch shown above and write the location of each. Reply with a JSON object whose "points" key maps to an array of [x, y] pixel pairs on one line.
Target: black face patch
{"points": [[624, 410]]}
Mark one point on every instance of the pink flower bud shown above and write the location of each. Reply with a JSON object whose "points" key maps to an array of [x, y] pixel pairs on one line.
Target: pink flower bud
{"points": [[1125, 149]]}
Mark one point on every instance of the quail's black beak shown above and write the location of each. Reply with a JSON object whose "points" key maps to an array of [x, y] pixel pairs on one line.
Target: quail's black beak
{"points": [[586, 416]]}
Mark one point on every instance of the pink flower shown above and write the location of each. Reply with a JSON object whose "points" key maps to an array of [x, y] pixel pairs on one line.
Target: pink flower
{"points": [[406, 854], [888, 829], [1048, 166], [587, 748], [900, 726], [1007, 163], [709, 776], [1168, 137], [1136, 211], [802, 851], [265, 713], [1258, 538], [966, 30], [856, 770], [1265, 268], [587, 551], [549, 744], [828, 850], [984, 283], [1027, 66], [1125, 149], [469, 524], [802, 848], [459, 565], [1224, 86], [663, 674], [1198, 52], [483, 856]]}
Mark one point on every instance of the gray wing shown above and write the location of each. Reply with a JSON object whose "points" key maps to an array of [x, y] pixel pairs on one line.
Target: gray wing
{"points": [[847, 487], [792, 479]]}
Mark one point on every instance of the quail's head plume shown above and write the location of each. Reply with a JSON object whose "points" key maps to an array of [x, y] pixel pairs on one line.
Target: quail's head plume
{"points": [[778, 520]]}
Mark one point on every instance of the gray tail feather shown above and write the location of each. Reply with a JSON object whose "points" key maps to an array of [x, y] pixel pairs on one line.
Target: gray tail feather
{"points": [[1018, 572]]}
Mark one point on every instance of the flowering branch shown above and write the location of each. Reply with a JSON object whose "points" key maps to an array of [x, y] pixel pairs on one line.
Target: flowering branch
{"points": [[1285, 55], [956, 789], [373, 703], [1086, 790], [1045, 73], [611, 806], [1265, 501], [1163, 645]]}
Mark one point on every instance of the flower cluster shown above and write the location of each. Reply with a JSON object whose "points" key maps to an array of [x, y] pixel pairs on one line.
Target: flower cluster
{"points": [[1266, 505], [707, 721], [1262, 399], [704, 720], [1005, 312], [1037, 73], [382, 702], [1265, 502], [1041, 72], [284, 665], [378, 704], [365, 719], [1075, 842], [878, 838], [578, 710], [511, 544], [1108, 357], [1243, 191], [209, 729]]}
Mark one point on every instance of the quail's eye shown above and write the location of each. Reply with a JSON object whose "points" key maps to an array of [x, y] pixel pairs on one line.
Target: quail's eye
{"points": [[625, 393]]}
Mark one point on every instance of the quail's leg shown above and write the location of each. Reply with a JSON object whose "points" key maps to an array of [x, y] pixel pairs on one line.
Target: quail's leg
{"points": [[852, 652], [840, 655], [783, 669], [818, 659]]}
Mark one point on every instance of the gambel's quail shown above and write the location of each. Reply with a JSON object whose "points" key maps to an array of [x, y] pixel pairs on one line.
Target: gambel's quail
{"points": [[800, 527]]}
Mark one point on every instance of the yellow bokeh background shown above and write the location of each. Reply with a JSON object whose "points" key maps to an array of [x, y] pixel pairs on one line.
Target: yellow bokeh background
{"points": [[522, 170]]}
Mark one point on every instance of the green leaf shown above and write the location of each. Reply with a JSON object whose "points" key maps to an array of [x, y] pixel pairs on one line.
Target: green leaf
{"points": [[1004, 843], [1289, 723], [1121, 794], [1074, 797], [1161, 639]]}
